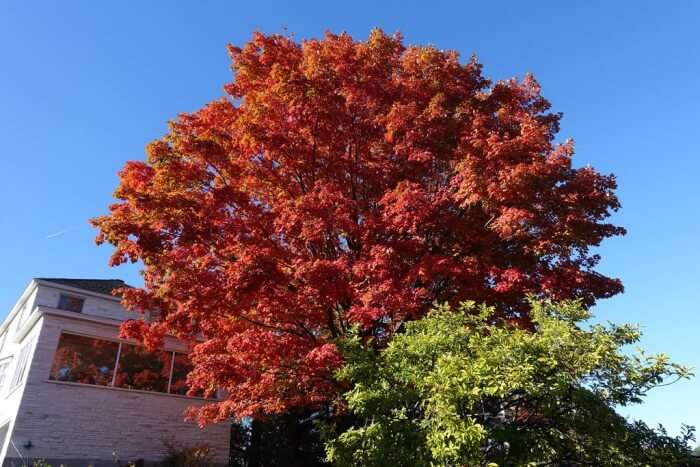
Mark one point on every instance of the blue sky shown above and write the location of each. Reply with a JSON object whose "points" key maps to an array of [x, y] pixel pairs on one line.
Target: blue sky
{"points": [[85, 85]]}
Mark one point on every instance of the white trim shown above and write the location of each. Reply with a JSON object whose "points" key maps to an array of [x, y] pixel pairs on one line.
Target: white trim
{"points": [[117, 388], [76, 290], [15, 308], [172, 367], [27, 327], [34, 283], [116, 340], [48, 310], [6, 376], [25, 356], [116, 361]]}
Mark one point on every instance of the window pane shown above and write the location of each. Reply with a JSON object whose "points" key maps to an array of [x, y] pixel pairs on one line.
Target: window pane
{"points": [[85, 360], [140, 369], [22, 361], [4, 366], [70, 303], [181, 368]]}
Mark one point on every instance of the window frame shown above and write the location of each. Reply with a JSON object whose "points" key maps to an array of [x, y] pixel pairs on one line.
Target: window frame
{"points": [[5, 364], [141, 351], [112, 384], [84, 336], [23, 362], [70, 296]]}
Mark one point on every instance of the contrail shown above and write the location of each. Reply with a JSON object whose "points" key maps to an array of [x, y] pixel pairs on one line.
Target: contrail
{"points": [[56, 234]]}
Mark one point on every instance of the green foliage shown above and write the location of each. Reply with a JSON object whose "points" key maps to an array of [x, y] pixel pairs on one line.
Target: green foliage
{"points": [[465, 388]]}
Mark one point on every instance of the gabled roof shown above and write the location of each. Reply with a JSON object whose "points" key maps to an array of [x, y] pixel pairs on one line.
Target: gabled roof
{"points": [[101, 286]]}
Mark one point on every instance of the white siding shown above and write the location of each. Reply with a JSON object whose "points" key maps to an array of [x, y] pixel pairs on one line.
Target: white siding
{"points": [[90, 423], [93, 306], [11, 397]]}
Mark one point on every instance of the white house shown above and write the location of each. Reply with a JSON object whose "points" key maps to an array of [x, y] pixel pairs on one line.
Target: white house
{"points": [[73, 393]]}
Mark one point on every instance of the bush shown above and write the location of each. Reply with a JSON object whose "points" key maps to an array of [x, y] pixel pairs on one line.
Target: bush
{"points": [[463, 387], [198, 455]]}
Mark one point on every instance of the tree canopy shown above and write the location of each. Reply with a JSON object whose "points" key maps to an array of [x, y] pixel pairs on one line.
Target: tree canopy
{"points": [[342, 183], [457, 388]]}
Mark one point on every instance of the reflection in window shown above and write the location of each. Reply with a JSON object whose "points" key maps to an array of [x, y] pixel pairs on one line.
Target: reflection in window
{"points": [[140, 369], [181, 367], [88, 360], [84, 360]]}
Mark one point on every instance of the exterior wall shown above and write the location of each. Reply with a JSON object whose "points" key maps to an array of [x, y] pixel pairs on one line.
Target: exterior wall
{"points": [[11, 397], [76, 424], [19, 316], [94, 305]]}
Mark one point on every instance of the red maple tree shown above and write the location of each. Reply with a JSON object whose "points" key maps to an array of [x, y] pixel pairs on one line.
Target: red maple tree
{"points": [[340, 183]]}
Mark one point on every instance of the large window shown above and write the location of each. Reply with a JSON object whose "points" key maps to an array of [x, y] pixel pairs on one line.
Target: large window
{"points": [[88, 360], [141, 369], [85, 360], [181, 368]]}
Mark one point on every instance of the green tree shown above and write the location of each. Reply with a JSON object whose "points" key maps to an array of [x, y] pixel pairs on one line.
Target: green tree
{"points": [[466, 388]]}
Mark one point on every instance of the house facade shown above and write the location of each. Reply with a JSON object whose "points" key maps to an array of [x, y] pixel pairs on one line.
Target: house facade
{"points": [[73, 393]]}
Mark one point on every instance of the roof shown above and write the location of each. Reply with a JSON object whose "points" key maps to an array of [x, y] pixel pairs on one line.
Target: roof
{"points": [[101, 286]]}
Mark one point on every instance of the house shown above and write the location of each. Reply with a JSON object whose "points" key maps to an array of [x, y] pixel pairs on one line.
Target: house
{"points": [[73, 393]]}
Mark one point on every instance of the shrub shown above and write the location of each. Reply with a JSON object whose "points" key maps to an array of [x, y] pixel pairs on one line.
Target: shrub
{"points": [[198, 455]]}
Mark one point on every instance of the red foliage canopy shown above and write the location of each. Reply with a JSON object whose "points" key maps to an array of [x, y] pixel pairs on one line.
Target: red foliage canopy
{"points": [[344, 182]]}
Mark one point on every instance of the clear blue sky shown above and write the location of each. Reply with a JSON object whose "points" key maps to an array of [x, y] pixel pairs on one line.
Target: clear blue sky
{"points": [[85, 85]]}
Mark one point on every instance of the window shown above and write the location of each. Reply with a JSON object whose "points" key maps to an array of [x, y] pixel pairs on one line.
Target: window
{"points": [[85, 360], [89, 360], [181, 368], [22, 361], [4, 367], [141, 369], [3, 434], [70, 303]]}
